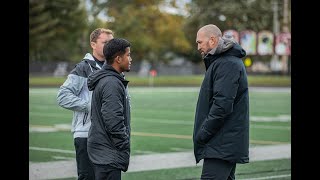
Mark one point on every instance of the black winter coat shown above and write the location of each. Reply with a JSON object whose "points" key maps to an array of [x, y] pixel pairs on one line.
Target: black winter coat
{"points": [[109, 134], [221, 128]]}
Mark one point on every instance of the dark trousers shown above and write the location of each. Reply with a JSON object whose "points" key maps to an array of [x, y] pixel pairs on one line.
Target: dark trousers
{"points": [[106, 172], [84, 165], [217, 169]]}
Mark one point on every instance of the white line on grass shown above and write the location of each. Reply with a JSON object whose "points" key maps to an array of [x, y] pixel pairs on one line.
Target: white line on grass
{"points": [[269, 177], [63, 158], [52, 150], [144, 152], [280, 118], [48, 114], [270, 127], [164, 89]]}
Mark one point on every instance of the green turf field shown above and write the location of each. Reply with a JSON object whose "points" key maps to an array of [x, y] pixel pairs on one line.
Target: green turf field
{"points": [[162, 121]]}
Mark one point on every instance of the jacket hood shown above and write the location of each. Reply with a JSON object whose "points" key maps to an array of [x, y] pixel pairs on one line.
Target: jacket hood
{"points": [[88, 58], [226, 47], [106, 70]]}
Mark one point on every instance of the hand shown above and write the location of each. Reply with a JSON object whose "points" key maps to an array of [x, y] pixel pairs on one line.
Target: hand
{"points": [[200, 138]]}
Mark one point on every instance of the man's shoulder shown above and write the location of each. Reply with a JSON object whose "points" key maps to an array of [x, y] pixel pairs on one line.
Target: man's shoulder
{"points": [[82, 68]]}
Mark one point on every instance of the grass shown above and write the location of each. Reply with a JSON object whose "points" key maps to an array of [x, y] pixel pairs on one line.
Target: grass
{"points": [[194, 80], [272, 169], [250, 170], [162, 122]]}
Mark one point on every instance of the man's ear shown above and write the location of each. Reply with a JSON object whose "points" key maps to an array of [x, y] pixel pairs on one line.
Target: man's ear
{"points": [[118, 59], [92, 44], [213, 40]]}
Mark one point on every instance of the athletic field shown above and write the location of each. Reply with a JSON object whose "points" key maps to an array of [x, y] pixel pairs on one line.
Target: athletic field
{"points": [[162, 123]]}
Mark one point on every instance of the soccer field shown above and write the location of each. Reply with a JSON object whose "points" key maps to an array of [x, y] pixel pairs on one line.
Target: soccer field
{"points": [[162, 122]]}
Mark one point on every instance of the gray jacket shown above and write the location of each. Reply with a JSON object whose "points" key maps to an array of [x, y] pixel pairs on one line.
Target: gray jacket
{"points": [[75, 95]]}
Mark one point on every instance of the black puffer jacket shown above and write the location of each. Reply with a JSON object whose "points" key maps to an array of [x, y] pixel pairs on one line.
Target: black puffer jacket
{"points": [[109, 134], [221, 128]]}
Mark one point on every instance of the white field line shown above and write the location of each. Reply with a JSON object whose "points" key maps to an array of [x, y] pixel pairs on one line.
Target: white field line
{"points": [[255, 126], [67, 168], [269, 177], [165, 89], [280, 118], [146, 134], [52, 150], [67, 127]]}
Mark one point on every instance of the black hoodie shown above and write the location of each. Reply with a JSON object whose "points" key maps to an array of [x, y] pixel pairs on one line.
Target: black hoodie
{"points": [[109, 134]]}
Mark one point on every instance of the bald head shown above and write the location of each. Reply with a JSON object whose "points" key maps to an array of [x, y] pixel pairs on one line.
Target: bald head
{"points": [[210, 30], [208, 38]]}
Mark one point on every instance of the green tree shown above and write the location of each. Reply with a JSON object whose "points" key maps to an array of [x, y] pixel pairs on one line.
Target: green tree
{"points": [[151, 31], [56, 30], [229, 14]]}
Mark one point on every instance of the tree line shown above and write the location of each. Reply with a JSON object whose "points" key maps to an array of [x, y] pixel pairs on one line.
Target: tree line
{"points": [[59, 30]]}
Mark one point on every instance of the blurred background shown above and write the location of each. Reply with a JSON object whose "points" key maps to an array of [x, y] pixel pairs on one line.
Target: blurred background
{"points": [[162, 33]]}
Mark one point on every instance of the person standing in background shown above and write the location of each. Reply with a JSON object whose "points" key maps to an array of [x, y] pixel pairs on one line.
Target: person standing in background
{"points": [[221, 127], [75, 95]]}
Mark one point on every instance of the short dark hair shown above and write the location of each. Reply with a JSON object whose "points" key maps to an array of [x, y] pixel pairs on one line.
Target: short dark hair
{"points": [[115, 47]]}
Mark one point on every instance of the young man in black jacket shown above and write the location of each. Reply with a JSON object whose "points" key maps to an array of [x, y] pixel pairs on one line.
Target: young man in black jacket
{"points": [[109, 134], [221, 127]]}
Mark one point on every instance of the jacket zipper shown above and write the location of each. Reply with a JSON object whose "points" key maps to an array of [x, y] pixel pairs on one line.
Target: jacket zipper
{"points": [[84, 118]]}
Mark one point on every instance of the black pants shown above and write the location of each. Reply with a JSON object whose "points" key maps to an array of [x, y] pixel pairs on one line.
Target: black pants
{"points": [[106, 172], [217, 169], [84, 165]]}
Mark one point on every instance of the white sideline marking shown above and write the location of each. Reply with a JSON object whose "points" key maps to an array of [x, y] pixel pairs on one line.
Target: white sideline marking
{"points": [[52, 150], [166, 89], [67, 168], [280, 118], [270, 127], [269, 177], [144, 152], [62, 158], [67, 127]]}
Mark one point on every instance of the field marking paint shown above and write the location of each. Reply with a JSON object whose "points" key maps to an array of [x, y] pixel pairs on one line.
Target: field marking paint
{"points": [[165, 121], [269, 177], [179, 149], [72, 152], [54, 128], [161, 135], [144, 152], [190, 137], [63, 127], [67, 169], [197, 89], [52, 150], [270, 127], [67, 115], [63, 158], [280, 118], [166, 89], [264, 142]]}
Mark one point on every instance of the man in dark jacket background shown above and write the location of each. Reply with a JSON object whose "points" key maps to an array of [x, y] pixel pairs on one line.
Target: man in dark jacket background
{"points": [[109, 134], [221, 127]]}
